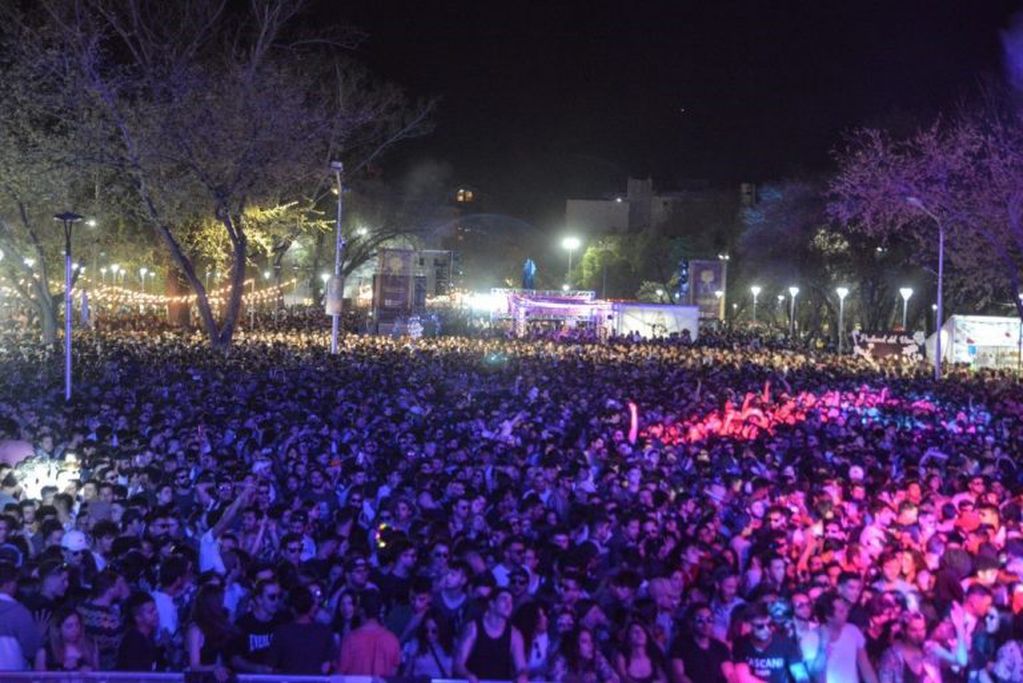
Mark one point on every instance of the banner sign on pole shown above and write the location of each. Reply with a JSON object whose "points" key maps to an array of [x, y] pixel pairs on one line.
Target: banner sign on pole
{"points": [[878, 345], [706, 278]]}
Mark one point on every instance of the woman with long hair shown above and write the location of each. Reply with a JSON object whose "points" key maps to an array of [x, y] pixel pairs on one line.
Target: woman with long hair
{"points": [[68, 648], [579, 660], [209, 633], [429, 651], [639, 660], [531, 620], [346, 616]]}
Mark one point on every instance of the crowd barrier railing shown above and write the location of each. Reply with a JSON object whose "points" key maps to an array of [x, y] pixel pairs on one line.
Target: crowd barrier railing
{"points": [[133, 677]]}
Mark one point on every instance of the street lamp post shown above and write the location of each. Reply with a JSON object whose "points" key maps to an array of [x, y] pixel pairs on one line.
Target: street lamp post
{"points": [[68, 218], [939, 307], [339, 247], [571, 244], [906, 292], [842, 293], [793, 291], [755, 290]]}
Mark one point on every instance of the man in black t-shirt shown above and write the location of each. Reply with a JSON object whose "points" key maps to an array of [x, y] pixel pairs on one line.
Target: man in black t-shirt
{"points": [[302, 647], [255, 629], [765, 655], [138, 650], [697, 656]]}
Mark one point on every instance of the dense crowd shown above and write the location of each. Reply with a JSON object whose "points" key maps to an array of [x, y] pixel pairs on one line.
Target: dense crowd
{"points": [[718, 512]]}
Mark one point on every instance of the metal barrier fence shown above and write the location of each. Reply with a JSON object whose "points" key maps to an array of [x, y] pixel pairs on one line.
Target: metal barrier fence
{"points": [[132, 677]]}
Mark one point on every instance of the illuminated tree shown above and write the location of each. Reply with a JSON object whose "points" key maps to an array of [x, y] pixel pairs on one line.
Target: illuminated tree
{"points": [[204, 113]]}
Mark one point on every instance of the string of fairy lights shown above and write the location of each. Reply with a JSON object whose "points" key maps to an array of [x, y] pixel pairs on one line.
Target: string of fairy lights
{"points": [[115, 295]]}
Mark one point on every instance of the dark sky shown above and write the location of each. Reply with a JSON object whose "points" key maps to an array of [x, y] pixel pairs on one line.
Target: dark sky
{"points": [[543, 100]]}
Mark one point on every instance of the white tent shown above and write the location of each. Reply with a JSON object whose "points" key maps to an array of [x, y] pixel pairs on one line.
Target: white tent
{"points": [[654, 320], [981, 341]]}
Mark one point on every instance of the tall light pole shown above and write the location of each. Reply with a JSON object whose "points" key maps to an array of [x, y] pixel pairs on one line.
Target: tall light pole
{"points": [[339, 247], [906, 292], [755, 290], [793, 291], [571, 244], [68, 218], [142, 276], [916, 203], [842, 293]]}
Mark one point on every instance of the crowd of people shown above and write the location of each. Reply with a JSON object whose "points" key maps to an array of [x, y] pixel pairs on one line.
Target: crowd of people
{"points": [[718, 511]]}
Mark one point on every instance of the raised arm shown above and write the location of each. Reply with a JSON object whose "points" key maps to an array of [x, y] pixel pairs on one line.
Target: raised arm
{"points": [[226, 519]]}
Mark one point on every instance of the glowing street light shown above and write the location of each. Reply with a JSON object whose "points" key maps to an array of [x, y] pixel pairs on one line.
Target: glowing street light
{"points": [[103, 274], [793, 291], [660, 296], [361, 231], [755, 290], [325, 277], [29, 261], [142, 276], [842, 293], [571, 244], [91, 222], [905, 292], [266, 274], [565, 287]]}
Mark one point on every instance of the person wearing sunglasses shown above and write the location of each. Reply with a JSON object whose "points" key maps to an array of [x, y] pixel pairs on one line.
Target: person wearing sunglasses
{"points": [[765, 656], [255, 630], [697, 656]]}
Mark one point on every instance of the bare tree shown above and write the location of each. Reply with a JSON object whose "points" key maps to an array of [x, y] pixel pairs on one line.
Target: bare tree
{"points": [[964, 174]]}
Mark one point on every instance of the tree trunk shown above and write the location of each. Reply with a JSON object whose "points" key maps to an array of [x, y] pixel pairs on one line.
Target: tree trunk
{"points": [[45, 304], [178, 313], [48, 322], [280, 250], [234, 302], [315, 286]]}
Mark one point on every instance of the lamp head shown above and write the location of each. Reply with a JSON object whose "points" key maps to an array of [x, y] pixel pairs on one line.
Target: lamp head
{"points": [[793, 291], [756, 289], [906, 292], [842, 292], [571, 243]]}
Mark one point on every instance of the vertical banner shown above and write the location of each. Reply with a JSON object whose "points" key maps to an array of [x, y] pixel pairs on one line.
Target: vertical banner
{"points": [[394, 287], [706, 278]]}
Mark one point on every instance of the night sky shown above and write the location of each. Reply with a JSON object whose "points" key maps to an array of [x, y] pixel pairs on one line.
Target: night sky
{"points": [[543, 100]]}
